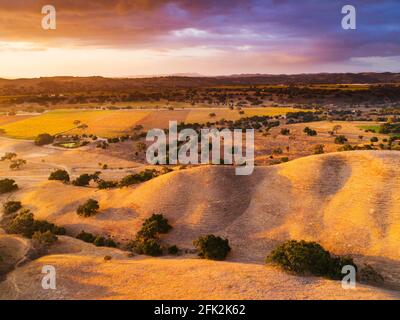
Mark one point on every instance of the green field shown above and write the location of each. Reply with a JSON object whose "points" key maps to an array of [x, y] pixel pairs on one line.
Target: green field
{"points": [[109, 123], [374, 127]]}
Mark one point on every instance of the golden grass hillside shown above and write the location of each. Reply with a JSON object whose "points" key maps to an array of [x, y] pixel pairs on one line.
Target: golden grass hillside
{"points": [[82, 273], [348, 202]]}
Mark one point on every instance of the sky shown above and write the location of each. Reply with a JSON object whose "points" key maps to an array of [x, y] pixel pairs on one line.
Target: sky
{"points": [[119, 38]]}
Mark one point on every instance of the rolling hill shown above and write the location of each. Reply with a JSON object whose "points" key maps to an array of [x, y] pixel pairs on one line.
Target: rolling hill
{"points": [[348, 202]]}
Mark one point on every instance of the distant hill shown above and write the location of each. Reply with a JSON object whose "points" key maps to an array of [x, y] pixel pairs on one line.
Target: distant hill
{"points": [[76, 84]]}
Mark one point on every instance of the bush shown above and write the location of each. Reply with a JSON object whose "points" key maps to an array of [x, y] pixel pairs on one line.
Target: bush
{"points": [[212, 247], [138, 178], [98, 241], [340, 140], [310, 132], [149, 247], [8, 156], [7, 185], [319, 149], [22, 224], [46, 238], [60, 175], [154, 225], [108, 242], [16, 164], [43, 139], [102, 184], [285, 131], [89, 208], [145, 241], [25, 225], [107, 258], [43, 226], [308, 258], [83, 180], [11, 207], [86, 237], [346, 147], [173, 250], [374, 139]]}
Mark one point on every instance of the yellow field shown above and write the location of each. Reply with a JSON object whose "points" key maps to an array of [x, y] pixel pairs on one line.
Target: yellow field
{"points": [[100, 122], [108, 123], [4, 119], [203, 115]]}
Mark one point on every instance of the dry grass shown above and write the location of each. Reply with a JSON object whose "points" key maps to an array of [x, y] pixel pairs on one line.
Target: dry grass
{"points": [[109, 123], [83, 274], [100, 122], [348, 202]]}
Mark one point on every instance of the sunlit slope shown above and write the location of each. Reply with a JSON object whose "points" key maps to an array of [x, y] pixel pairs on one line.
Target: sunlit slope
{"points": [[82, 273], [347, 201]]}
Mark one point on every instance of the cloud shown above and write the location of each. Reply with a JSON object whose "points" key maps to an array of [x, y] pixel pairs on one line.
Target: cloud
{"points": [[283, 31]]}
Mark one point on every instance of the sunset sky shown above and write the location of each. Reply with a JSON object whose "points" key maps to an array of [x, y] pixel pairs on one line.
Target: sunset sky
{"points": [[152, 37]]}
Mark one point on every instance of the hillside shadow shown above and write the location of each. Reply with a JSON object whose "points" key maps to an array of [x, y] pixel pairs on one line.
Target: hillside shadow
{"points": [[333, 175]]}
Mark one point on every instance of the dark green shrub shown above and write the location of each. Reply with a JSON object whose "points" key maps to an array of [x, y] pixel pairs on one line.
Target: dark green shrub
{"points": [[173, 250], [374, 139], [11, 207], [308, 258], [108, 242], [60, 175], [285, 131], [138, 178], [89, 208], [154, 225], [145, 241], [43, 226], [310, 132], [346, 147], [25, 224], [86, 237], [7, 185], [212, 247], [43, 139], [148, 247], [22, 224], [83, 180], [319, 149], [8, 156], [46, 238], [17, 164], [102, 184], [340, 140], [99, 241]]}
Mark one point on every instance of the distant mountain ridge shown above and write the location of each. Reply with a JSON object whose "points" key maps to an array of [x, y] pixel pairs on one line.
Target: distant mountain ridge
{"points": [[70, 83]]}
